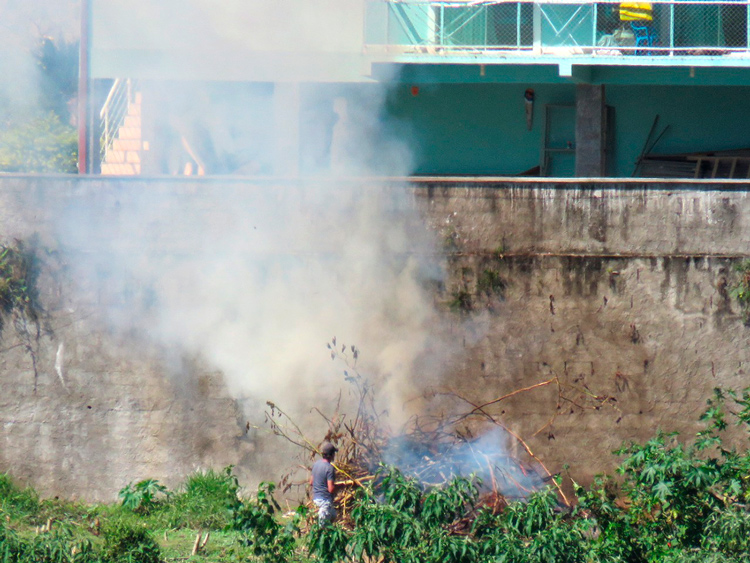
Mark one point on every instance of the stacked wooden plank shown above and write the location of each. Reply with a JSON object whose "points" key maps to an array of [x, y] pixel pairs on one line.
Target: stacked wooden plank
{"points": [[733, 164]]}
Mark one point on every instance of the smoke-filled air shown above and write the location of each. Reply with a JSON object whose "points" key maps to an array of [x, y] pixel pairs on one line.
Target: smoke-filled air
{"points": [[254, 282], [272, 284]]}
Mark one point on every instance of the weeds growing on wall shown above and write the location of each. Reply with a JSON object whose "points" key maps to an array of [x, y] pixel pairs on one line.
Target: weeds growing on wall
{"points": [[19, 270], [17, 278], [476, 290], [491, 283], [741, 289]]}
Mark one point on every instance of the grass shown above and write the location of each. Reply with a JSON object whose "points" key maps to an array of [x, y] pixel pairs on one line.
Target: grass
{"points": [[34, 529], [15, 500], [177, 545]]}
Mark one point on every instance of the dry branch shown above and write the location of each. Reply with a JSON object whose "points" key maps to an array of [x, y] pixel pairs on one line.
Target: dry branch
{"points": [[434, 449]]}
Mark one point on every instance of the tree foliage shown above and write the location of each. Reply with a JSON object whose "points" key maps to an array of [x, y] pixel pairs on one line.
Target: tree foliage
{"points": [[39, 138], [41, 143]]}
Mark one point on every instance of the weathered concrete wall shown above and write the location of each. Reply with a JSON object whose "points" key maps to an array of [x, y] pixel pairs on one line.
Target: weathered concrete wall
{"points": [[616, 291]]}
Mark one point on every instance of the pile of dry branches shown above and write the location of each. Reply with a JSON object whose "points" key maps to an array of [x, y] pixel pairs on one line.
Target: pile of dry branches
{"points": [[433, 450]]}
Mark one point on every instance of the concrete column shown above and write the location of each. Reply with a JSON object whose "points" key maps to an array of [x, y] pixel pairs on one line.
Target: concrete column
{"points": [[591, 131], [286, 114]]}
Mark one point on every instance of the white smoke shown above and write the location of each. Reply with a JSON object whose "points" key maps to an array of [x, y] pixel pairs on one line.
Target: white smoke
{"points": [[490, 458], [22, 26], [252, 278], [256, 279]]}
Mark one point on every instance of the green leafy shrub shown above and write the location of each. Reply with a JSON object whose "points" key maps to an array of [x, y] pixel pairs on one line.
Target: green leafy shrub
{"points": [[400, 520], [259, 523], [58, 545], [204, 501], [144, 496], [677, 502], [17, 502], [127, 543], [41, 143]]}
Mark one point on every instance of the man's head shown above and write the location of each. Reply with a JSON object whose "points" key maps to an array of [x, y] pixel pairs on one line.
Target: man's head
{"points": [[328, 450]]}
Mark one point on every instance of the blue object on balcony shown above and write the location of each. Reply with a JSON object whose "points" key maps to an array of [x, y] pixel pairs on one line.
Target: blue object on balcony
{"points": [[644, 37]]}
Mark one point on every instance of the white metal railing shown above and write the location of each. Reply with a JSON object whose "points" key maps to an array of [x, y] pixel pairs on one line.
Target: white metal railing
{"points": [[113, 112], [662, 28]]}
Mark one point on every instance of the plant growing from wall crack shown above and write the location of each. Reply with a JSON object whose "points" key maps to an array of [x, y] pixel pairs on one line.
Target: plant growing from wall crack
{"points": [[19, 270], [741, 289]]}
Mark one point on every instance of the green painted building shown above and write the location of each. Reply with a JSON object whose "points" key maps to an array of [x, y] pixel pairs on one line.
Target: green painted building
{"points": [[398, 87]]}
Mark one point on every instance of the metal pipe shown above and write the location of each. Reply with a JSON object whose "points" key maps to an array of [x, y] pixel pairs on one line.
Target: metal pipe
{"points": [[83, 90]]}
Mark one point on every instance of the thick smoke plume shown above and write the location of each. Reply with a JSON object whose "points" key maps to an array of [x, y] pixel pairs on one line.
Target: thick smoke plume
{"points": [[23, 25], [254, 280], [491, 458]]}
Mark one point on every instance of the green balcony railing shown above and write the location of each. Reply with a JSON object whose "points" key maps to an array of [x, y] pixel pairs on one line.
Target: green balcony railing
{"points": [[662, 28]]}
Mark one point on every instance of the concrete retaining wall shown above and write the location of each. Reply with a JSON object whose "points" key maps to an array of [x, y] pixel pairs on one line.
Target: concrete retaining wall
{"points": [[617, 292]]}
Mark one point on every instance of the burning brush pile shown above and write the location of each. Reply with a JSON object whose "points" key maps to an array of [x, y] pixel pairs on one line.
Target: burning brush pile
{"points": [[432, 451]]}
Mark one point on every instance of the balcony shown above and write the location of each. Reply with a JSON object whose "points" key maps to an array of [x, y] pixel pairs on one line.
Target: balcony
{"points": [[691, 33]]}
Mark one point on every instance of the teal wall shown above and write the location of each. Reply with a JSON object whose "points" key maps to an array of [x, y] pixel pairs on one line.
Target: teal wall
{"points": [[432, 128], [481, 128], [700, 118], [475, 128]]}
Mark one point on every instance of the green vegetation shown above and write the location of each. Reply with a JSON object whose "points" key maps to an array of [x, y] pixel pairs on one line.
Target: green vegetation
{"points": [[13, 500], [19, 271], [477, 290], [143, 496], [261, 529], [669, 501], [490, 283], [36, 132], [40, 143], [149, 525], [15, 274], [460, 301], [741, 289]]}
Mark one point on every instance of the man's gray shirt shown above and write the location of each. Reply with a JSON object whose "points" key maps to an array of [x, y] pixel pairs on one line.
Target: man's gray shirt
{"points": [[322, 472]]}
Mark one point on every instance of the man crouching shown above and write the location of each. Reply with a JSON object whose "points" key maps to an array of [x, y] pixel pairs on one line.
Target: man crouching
{"points": [[322, 483]]}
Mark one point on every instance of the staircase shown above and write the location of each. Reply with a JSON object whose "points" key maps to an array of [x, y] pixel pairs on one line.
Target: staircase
{"points": [[121, 141]]}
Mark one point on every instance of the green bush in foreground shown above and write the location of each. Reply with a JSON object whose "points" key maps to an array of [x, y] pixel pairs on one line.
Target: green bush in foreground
{"points": [[16, 501], [144, 496], [262, 530], [670, 501], [58, 545], [205, 500], [126, 543]]}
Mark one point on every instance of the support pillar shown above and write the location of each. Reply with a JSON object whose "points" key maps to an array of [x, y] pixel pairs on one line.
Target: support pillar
{"points": [[286, 114], [85, 126], [591, 131]]}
